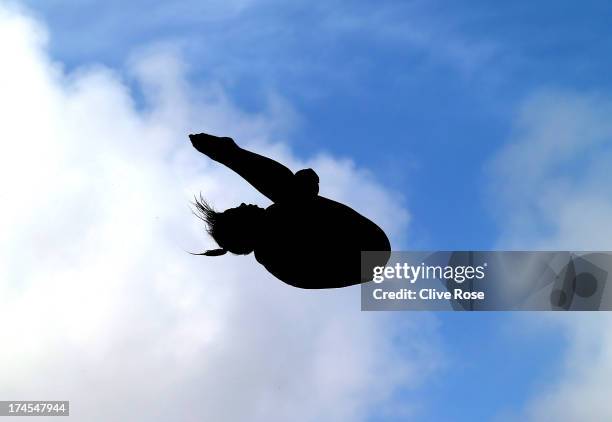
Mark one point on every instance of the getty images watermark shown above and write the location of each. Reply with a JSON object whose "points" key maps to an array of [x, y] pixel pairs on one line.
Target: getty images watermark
{"points": [[485, 280], [412, 273]]}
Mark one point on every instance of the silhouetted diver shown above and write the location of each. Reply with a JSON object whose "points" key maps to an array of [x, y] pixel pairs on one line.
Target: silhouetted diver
{"points": [[303, 239]]}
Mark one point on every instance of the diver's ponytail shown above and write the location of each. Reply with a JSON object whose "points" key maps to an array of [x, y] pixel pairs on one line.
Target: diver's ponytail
{"points": [[211, 252]]}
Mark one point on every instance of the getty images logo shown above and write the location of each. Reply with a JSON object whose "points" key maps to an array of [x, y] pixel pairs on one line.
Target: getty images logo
{"points": [[413, 273]]}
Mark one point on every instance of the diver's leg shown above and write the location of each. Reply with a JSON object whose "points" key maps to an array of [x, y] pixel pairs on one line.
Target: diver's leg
{"points": [[269, 177]]}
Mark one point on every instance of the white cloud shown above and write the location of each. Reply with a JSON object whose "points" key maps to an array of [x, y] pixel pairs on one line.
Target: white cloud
{"points": [[583, 388], [99, 303], [553, 191], [551, 183]]}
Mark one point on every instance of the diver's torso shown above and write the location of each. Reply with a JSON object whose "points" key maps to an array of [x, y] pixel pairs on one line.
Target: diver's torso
{"points": [[316, 243]]}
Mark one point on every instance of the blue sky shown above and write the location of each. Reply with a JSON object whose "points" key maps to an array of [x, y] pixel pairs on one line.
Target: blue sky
{"points": [[423, 94]]}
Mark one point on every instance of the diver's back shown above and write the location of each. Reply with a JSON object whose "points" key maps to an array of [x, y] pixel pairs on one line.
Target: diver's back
{"points": [[317, 243]]}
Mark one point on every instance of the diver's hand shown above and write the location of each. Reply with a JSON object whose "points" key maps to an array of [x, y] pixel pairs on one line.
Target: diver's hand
{"points": [[212, 146]]}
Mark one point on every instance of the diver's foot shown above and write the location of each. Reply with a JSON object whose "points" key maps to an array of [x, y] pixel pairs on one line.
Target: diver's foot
{"points": [[210, 145]]}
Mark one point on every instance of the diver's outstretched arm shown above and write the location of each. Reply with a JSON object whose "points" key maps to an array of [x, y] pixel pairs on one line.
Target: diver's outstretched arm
{"points": [[269, 177]]}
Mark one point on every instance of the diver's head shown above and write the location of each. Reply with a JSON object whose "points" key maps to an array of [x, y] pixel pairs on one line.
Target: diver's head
{"points": [[235, 230]]}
